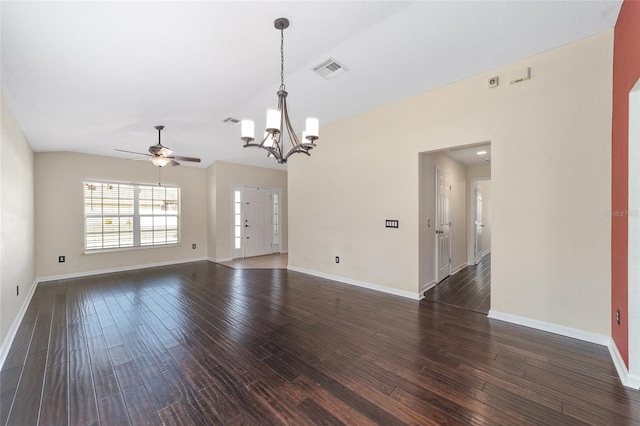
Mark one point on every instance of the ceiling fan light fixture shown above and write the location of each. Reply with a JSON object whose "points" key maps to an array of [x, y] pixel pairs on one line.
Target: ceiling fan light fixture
{"points": [[165, 152], [160, 161], [277, 123]]}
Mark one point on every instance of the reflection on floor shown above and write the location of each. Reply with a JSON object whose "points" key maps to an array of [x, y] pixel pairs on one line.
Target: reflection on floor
{"points": [[270, 261], [470, 288]]}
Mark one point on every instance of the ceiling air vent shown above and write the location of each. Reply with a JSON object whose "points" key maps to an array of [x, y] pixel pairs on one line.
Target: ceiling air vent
{"points": [[330, 69], [231, 120]]}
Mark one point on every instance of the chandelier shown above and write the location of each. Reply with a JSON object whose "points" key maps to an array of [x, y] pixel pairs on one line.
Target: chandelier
{"points": [[278, 120]]}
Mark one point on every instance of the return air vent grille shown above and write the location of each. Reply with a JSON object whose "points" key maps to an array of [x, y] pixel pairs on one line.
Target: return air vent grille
{"points": [[329, 69], [231, 120]]}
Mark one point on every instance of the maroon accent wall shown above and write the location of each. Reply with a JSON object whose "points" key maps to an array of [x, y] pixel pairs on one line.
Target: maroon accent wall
{"points": [[626, 72]]}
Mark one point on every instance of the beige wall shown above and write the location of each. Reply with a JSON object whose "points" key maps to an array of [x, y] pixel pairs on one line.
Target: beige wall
{"points": [[16, 222], [222, 177], [59, 212], [550, 142]]}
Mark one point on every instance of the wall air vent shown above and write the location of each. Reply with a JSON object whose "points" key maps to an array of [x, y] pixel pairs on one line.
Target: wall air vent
{"points": [[329, 69], [231, 120]]}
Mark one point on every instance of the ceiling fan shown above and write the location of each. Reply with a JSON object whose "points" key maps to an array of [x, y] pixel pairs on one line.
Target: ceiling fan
{"points": [[161, 155]]}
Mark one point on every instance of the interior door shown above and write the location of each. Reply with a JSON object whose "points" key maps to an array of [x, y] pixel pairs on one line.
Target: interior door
{"points": [[443, 225], [257, 221], [479, 225]]}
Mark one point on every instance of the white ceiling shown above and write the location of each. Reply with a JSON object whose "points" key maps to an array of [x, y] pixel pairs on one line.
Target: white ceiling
{"points": [[469, 156], [93, 76]]}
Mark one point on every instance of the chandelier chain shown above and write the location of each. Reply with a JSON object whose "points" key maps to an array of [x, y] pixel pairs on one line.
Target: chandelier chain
{"points": [[282, 57]]}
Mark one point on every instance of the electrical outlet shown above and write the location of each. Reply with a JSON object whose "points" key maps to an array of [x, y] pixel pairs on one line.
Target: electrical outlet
{"points": [[17, 290], [60, 259], [618, 316], [337, 259], [193, 246]]}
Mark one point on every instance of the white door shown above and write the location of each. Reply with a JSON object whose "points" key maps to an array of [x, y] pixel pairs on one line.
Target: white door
{"points": [[257, 221], [479, 226], [443, 225]]}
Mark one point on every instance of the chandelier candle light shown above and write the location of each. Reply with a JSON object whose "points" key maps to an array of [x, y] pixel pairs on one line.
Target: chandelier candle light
{"points": [[278, 120]]}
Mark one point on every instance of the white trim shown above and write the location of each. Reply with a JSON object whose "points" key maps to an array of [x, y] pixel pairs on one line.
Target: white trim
{"points": [[426, 287], [575, 333], [483, 254], [459, 268], [633, 242], [376, 287], [119, 269], [222, 259], [629, 380], [8, 340]]}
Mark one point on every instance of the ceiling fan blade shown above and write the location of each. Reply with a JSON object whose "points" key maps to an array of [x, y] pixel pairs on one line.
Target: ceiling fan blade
{"points": [[174, 163], [133, 152], [176, 157]]}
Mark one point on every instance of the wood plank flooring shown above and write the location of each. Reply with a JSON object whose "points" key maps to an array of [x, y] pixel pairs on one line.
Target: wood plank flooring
{"points": [[469, 288], [204, 344]]}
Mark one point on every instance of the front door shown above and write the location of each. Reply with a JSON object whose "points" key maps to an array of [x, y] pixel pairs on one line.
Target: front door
{"points": [[443, 225], [257, 221]]}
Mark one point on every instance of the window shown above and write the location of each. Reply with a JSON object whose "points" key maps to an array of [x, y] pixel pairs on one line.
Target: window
{"points": [[130, 215], [276, 219], [237, 219]]}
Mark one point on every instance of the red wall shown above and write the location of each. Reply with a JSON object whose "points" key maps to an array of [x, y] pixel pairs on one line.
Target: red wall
{"points": [[626, 71]]}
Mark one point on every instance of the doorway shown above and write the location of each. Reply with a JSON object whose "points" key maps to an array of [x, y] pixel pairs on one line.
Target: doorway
{"points": [[455, 226], [481, 218], [443, 225], [256, 221]]}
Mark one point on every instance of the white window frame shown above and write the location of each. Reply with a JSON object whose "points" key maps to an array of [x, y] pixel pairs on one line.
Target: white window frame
{"points": [[136, 216]]}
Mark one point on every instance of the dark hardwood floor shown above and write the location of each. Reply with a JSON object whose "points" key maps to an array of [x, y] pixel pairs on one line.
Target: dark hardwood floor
{"points": [[469, 288], [200, 343]]}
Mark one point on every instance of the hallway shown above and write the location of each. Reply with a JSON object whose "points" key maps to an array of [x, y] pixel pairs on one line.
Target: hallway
{"points": [[469, 289]]}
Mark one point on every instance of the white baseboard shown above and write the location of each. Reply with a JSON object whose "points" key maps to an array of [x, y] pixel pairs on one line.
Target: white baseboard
{"points": [[458, 269], [575, 333], [118, 269], [629, 380], [6, 345], [222, 259], [376, 287], [427, 287]]}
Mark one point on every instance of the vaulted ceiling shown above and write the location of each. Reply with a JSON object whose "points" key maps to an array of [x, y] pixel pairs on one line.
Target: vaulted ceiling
{"points": [[93, 76]]}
